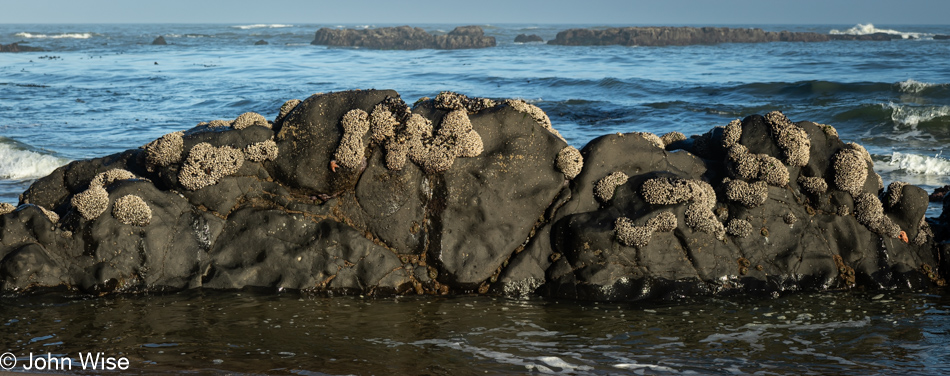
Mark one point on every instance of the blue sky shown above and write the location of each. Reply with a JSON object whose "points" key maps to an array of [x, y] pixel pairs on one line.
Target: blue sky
{"points": [[654, 12]]}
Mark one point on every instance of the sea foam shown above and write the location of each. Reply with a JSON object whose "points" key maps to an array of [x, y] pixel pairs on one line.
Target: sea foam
{"points": [[19, 163], [865, 29]]}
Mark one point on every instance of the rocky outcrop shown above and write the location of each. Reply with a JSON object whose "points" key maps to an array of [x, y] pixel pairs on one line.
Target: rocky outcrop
{"points": [[941, 37], [524, 38], [261, 43], [159, 41], [683, 36], [356, 192], [939, 193], [404, 38], [16, 47]]}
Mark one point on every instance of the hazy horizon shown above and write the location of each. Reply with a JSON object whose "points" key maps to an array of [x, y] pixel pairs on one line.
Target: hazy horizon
{"points": [[672, 12]]}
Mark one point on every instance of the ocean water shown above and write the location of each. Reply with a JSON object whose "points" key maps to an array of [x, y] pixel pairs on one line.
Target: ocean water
{"points": [[101, 89]]}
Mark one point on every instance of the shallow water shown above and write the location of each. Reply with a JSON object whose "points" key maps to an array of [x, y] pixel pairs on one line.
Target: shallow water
{"points": [[288, 333]]}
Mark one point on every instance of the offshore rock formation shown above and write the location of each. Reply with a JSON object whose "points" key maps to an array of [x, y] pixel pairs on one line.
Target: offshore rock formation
{"points": [[356, 192], [404, 38], [684, 36], [525, 38], [16, 47]]}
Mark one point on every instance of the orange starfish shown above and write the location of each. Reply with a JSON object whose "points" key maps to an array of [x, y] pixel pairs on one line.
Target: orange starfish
{"points": [[333, 165], [903, 237]]}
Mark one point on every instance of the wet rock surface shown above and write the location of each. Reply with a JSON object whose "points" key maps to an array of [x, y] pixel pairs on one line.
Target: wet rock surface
{"points": [[525, 38], [17, 47], [683, 36], [356, 192], [404, 38]]}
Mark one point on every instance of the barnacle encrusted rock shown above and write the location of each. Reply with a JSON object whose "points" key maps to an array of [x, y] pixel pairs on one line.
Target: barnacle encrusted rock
{"points": [[829, 130], [793, 140], [703, 219], [812, 184], [536, 113], [448, 100], [732, 133], [750, 195], [103, 179], [604, 189], [6, 208], [261, 151], [924, 232], [570, 162], [894, 192], [861, 150], [286, 108], [92, 202], [164, 151], [132, 210], [382, 123], [207, 164], [51, 215], [350, 152], [654, 139], [772, 171], [739, 228], [454, 138], [249, 119], [743, 164], [843, 210], [218, 123], [666, 191], [869, 211], [663, 222], [850, 171], [672, 137], [631, 235]]}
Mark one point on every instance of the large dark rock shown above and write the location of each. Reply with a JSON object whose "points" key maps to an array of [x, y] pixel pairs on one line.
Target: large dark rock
{"points": [[404, 38], [160, 41], [16, 47], [941, 37], [355, 192], [524, 38], [683, 36]]}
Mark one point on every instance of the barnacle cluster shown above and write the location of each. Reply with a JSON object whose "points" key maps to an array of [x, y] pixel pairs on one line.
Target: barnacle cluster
{"points": [[812, 184], [569, 161], [261, 151], [132, 210], [286, 108], [894, 192], [745, 165], [6, 208], [249, 119], [739, 228], [207, 164], [793, 140], [869, 211], [448, 100], [604, 188], [632, 235], [654, 139], [750, 195], [349, 153], [731, 134], [851, 170], [672, 137], [535, 113], [92, 202], [164, 151]]}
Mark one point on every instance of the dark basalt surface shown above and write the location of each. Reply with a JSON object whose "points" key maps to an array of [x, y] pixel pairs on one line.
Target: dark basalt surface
{"points": [[684, 36], [404, 38], [16, 47], [505, 220], [524, 38]]}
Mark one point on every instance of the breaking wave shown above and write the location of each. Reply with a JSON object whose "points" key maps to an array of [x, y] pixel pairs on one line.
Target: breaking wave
{"points": [[55, 36], [18, 162], [917, 164], [865, 29], [261, 26], [914, 115]]}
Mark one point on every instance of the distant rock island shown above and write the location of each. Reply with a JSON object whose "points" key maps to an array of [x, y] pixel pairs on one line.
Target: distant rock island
{"points": [[404, 38], [524, 38], [685, 36]]}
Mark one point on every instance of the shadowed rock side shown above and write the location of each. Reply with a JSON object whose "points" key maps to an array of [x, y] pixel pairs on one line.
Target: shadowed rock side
{"points": [[404, 38], [683, 36], [16, 47], [356, 192]]}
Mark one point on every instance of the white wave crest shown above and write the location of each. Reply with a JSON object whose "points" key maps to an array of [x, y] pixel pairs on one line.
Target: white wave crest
{"points": [[19, 164], [913, 86], [913, 115], [261, 26], [55, 36], [917, 164], [865, 29]]}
